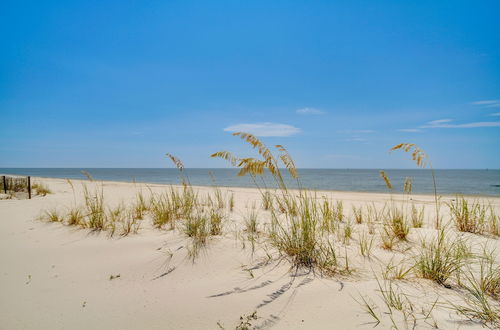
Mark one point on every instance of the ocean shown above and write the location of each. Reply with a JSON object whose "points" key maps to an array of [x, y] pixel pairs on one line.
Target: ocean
{"points": [[467, 182]]}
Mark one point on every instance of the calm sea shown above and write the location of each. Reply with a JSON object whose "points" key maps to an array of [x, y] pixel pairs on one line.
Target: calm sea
{"points": [[469, 182]]}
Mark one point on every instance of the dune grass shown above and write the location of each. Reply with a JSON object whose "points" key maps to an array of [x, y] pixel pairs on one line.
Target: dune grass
{"points": [[474, 217], [477, 305], [41, 189], [417, 216], [300, 227], [441, 258]]}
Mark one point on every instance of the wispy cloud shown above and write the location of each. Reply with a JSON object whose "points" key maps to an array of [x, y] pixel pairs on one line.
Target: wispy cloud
{"points": [[487, 103], [495, 114], [264, 129], [445, 123], [410, 130], [309, 111], [439, 122]]}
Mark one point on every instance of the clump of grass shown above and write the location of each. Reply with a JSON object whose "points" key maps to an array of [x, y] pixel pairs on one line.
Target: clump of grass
{"points": [[114, 217], [401, 311], [41, 189], [365, 244], [252, 228], [478, 306], [298, 236], [123, 219], [267, 200], [295, 229], [397, 223], [251, 223], [139, 207], [468, 216], [219, 199], [197, 227], [287, 204], [327, 215], [75, 217], [162, 211], [358, 214], [417, 216], [52, 215], [489, 274], [94, 204], [440, 259], [216, 218], [388, 238], [338, 211], [347, 232], [493, 223], [129, 224]]}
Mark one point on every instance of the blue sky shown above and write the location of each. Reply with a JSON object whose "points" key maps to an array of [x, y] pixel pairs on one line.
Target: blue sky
{"points": [[120, 83]]}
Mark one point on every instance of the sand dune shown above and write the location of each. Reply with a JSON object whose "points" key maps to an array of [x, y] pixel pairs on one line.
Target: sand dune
{"points": [[60, 277]]}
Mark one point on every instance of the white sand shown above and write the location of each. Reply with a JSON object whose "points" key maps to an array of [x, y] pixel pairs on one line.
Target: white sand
{"points": [[58, 277]]}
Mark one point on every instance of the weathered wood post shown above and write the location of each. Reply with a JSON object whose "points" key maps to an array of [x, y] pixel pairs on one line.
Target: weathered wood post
{"points": [[4, 184], [29, 187]]}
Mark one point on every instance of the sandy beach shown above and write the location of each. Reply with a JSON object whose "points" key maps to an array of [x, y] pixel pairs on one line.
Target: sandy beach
{"points": [[56, 276]]}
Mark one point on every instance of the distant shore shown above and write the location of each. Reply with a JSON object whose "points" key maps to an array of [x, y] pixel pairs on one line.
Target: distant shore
{"points": [[449, 182]]}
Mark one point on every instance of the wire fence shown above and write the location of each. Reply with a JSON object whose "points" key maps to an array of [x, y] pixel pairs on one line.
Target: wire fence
{"points": [[16, 185]]}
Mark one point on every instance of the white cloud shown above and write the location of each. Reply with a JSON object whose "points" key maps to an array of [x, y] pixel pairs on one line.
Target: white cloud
{"points": [[444, 123], [410, 130], [488, 103], [264, 129], [495, 114], [438, 122], [309, 111]]}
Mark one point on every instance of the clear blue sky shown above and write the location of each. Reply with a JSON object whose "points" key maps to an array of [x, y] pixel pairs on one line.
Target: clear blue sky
{"points": [[120, 83]]}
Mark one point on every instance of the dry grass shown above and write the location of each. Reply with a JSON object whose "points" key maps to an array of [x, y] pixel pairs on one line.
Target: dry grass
{"points": [[41, 189], [396, 222], [441, 258], [75, 217], [52, 215], [417, 216], [94, 207], [357, 214], [299, 225], [365, 244], [477, 305], [468, 216], [267, 200], [421, 159]]}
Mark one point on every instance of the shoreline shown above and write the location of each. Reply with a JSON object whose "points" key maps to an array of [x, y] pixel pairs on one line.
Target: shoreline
{"points": [[471, 196]]}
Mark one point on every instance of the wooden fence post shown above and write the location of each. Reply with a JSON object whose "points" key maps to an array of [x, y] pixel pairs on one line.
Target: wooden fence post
{"points": [[29, 187], [5, 184]]}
